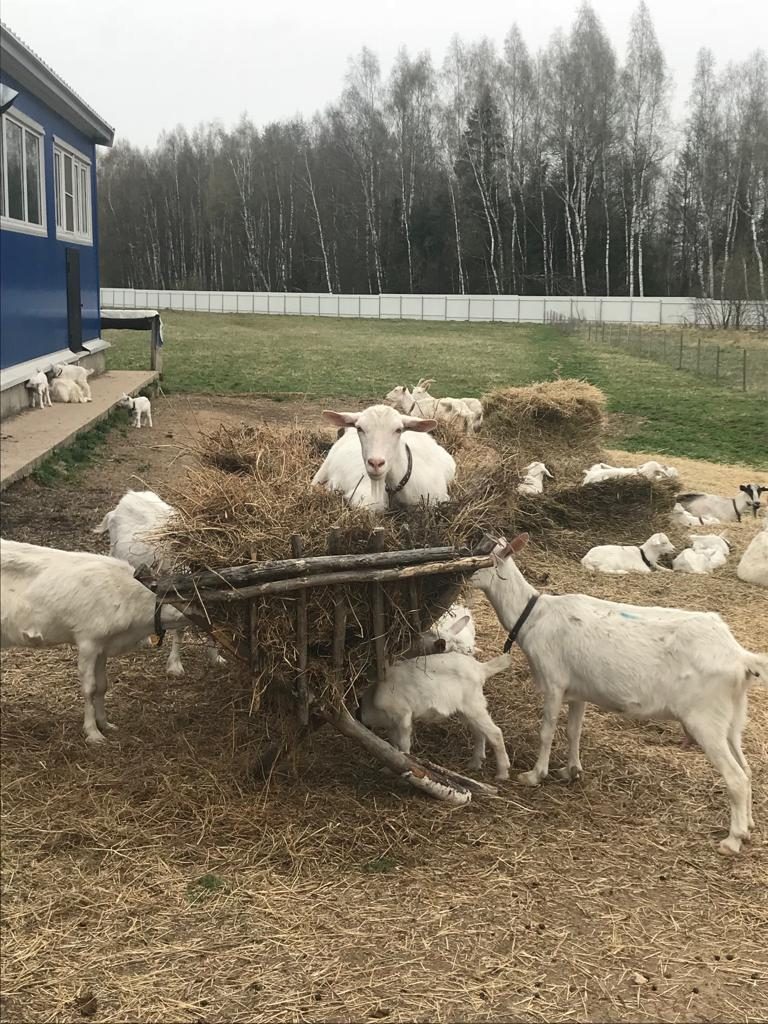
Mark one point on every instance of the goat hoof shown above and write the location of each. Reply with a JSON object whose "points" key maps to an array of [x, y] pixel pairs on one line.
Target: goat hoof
{"points": [[94, 738], [529, 778], [176, 671], [108, 727], [730, 846], [502, 776], [570, 774]]}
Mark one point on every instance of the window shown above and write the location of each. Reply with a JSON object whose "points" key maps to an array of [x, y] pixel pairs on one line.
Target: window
{"points": [[72, 185], [22, 175]]}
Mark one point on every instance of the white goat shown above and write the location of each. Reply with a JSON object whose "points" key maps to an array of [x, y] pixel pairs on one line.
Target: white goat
{"points": [[727, 510], [471, 406], [620, 559], [419, 403], [39, 390], [141, 407], [753, 565], [643, 662], [49, 598], [67, 391], [457, 627], [707, 551], [378, 459], [650, 470], [133, 525], [533, 478], [71, 372], [431, 690], [679, 517]]}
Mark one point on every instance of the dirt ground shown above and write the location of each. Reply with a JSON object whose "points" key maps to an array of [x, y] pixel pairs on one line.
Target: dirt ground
{"points": [[153, 880]]}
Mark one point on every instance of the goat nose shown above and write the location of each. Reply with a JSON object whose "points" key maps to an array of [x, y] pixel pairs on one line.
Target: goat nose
{"points": [[376, 463]]}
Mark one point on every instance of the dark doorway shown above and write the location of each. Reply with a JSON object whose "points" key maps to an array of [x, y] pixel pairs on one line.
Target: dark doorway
{"points": [[74, 303]]}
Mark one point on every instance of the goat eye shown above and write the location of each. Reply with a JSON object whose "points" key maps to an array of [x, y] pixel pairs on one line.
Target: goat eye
{"points": [[399, 430], [360, 430]]}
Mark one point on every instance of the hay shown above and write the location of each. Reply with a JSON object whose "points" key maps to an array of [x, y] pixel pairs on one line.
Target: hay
{"points": [[559, 422], [248, 493]]}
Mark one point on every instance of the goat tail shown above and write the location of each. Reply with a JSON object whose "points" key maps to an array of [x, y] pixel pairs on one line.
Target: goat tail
{"points": [[757, 666], [104, 524], [496, 665], [89, 371]]}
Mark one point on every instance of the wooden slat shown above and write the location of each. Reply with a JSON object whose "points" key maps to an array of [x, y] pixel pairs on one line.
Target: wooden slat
{"points": [[302, 694], [377, 610], [339, 610]]}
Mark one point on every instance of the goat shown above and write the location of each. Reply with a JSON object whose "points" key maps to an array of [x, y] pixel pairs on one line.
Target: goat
{"points": [[446, 410], [67, 391], [620, 559], [374, 462], [650, 470], [533, 478], [643, 662], [727, 510], [431, 690], [49, 598], [141, 407], [679, 517], [131, 525], [471, 406], [71, 372], [452, 632], [753, 565], [39, 390]]}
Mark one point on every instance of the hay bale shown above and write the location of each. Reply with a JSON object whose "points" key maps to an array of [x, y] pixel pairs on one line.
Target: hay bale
{"points": [[559, 422]]}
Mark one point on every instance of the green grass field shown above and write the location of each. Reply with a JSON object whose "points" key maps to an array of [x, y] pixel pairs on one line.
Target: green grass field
{"points": [[662, 410]]}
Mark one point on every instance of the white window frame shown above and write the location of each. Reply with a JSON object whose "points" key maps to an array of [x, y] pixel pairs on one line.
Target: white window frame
{"points": [[27, 125], [81, 205]]}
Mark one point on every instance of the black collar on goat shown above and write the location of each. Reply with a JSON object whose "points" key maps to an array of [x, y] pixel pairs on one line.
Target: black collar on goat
{"points": [[406, 478]]}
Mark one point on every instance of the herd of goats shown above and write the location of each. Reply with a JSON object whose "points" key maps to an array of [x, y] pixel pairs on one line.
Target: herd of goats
{"points": [[645, 662]]}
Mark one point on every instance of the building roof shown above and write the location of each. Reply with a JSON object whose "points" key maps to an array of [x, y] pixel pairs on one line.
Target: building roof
{"points": [[30, 71]]}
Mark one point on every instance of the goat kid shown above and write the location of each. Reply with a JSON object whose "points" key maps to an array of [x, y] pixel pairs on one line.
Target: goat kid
{"points": [[140, 407], [533, 478], [679, 517], [76, 374], [753, 565], [39, 390], [642, 662], [67, 391], [621, 559], [652, 470], [51, 598], [431, 690]]}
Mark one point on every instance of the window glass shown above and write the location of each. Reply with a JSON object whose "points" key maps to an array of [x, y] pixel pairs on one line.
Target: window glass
{"points": [[34, 209], [13, 143]]}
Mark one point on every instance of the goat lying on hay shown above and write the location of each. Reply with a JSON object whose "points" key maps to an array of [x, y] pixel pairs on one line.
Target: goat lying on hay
{"points": [[248, 502]]}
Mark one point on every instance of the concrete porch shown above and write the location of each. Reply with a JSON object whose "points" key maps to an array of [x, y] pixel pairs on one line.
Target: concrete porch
{"points": [[28, 437]]}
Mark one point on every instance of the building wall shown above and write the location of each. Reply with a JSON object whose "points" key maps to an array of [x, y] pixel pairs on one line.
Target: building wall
{"points": [[33, 311]]}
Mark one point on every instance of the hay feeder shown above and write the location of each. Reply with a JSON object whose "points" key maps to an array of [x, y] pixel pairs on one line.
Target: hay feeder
{"points": [[203, 595]]}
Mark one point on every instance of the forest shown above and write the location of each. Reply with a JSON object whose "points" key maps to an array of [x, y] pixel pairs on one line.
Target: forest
{"points": [[560, 172]]}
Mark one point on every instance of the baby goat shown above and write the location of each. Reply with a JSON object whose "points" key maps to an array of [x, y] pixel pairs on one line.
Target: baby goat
{"points": [[753, 567], [708, 551], [650, 470], [620, 559], [77, 375], [39, 391], [49, 598], [533, 478], [679, 517], [431, 690], [67, 391], [141, 407], [643, 662]]}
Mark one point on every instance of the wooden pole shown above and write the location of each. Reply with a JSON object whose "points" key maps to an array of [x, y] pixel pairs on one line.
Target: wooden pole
{"points": [[253, 647], [437, 782], [155, 351], [247, 575], [377, 610], [414, 613], [339, 613], [456, 567], [302, 694]]}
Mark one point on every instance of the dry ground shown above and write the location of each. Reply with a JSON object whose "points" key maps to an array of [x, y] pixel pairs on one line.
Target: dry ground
{"points": [[152, 881]]}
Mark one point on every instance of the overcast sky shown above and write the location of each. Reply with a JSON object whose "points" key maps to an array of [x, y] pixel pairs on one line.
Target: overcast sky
{"points": [[147, 65]]}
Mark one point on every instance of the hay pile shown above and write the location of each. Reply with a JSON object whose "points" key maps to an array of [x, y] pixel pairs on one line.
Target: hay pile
{"points": [[248, 493]]}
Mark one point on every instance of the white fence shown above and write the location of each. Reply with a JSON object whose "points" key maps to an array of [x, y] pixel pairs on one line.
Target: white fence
{"points": [[488, 308]]}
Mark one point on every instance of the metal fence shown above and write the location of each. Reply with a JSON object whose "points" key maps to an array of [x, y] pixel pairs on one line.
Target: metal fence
{"points": [[732, 365], [470, 308]]}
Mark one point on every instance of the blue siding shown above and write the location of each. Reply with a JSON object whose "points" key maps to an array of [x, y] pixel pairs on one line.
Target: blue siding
{"points": [[33, 311]]}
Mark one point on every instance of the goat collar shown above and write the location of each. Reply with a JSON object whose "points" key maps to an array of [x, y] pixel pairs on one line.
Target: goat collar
{"points": [[406, 478], [646, 559], [159, 631], [736, 510], [513, 633]]}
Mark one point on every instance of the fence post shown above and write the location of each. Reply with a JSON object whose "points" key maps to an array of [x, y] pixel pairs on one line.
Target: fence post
{"points": [[401, 307], [680, 360], [717, 365], [445, 309], [744, 370]]}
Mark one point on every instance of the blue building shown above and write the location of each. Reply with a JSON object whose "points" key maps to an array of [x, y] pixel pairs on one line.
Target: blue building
{"points": [[49, 256]]}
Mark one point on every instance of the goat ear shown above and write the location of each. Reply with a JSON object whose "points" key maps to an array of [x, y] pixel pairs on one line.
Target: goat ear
{"points": [[439, 646], [341, 419], [743, 487], [548, 473], [515, 546], [458, 625], [415, 423]]}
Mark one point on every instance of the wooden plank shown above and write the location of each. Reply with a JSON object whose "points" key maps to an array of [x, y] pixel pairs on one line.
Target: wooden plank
{"points": [[302, 694], [377, 611], [339, 611], [458, 566]]}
